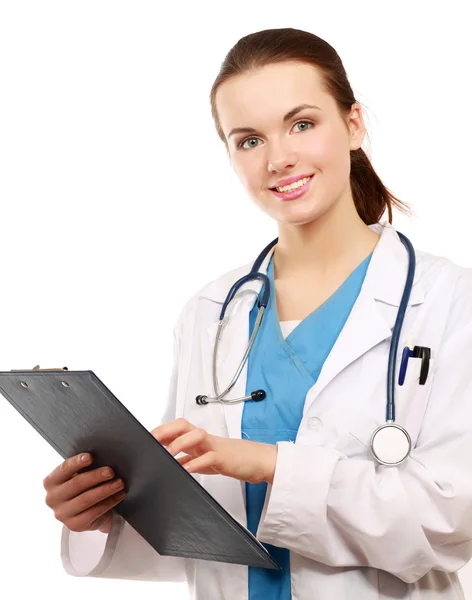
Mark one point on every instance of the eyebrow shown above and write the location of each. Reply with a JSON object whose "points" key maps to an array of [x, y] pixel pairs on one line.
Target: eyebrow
{"points": [[291, 113]]}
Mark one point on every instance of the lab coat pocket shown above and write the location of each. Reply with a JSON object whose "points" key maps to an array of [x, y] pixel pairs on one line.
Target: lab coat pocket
{"points": [[411, 401]]}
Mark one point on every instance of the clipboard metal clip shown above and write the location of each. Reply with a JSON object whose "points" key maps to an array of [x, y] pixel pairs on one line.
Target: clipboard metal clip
{"points": [[37, 368]]}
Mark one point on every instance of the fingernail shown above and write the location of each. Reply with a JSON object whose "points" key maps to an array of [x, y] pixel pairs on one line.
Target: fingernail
{"points": [[85, 457]]}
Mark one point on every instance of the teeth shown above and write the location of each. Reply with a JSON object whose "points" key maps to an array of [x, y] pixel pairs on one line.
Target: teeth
{"points": [[293, 186]]}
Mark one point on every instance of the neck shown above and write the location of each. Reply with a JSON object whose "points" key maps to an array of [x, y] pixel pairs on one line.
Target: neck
{"points": [[335, 242]]}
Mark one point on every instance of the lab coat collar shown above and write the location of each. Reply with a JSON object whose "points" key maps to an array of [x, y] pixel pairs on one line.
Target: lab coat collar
{"points": [[384, 281]]}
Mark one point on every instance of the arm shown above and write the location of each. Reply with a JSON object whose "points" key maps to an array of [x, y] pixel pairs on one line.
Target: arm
{"points": [[405, 520]]}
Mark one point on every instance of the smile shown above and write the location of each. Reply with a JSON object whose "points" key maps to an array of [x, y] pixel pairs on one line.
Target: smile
{"points": [[292, 186], [294, 190]]}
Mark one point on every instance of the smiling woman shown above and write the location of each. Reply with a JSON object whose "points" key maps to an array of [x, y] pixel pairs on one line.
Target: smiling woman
{"points": [[292, 460], [286, 70]]}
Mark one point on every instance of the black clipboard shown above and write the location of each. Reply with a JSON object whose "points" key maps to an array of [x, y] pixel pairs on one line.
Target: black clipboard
{"points": [[75, 412]]}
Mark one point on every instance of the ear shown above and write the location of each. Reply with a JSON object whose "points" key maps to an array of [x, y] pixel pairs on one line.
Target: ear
{"points": [[356, 126]]}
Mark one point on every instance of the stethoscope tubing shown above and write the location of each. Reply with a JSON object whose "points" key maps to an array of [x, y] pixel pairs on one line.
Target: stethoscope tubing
{"points": [[395, 341], [257, 324], [263, 300]]}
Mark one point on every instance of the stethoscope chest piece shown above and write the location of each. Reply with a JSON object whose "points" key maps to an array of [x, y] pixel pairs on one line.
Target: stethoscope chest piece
{"points": [[390, 444]]}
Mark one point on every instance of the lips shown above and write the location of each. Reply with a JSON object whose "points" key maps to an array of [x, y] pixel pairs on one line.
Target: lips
{"points": [[294, 194], [290, 180]]}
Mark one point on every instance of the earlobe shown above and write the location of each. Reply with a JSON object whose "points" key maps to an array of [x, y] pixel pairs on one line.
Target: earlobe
{"points": [[357, 139]]}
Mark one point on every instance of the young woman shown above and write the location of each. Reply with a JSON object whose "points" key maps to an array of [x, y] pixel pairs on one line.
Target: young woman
{"points": [[298, 468]]}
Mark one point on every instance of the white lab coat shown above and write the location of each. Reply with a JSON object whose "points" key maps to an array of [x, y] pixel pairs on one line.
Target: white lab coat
{"points": [[355, 529]]}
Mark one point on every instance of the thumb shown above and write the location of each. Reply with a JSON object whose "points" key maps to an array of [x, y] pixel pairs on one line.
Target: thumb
{"points": [[103, 524]]}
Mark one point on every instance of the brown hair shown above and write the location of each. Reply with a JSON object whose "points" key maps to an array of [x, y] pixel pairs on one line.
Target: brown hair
{"points": [[270, 46]]}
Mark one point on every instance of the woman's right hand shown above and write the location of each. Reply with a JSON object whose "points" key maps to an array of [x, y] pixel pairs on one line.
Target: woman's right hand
{"points": [[83, 501]]}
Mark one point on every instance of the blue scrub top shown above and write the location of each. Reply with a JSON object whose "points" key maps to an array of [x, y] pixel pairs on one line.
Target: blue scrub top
{"points": [[286, 369]]}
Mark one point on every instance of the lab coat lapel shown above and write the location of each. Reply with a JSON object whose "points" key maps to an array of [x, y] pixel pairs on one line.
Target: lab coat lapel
{"points": [[373, 315], [364, 329], [233, 345]]}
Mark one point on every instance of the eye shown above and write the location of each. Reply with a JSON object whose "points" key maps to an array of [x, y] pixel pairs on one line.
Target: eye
{"points": [[309, 123], [241, 144], [301, 122]]}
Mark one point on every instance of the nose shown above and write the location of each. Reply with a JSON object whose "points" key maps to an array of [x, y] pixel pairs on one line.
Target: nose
{"points": [[281, 163]]}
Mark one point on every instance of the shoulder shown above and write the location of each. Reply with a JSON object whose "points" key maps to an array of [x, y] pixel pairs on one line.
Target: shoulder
{"points": [[433, 265], [214, 291], [447, 290], [442, 275]]}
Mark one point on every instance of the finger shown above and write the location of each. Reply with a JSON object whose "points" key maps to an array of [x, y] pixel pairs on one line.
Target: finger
{"points": [[188, 441], [67, 469], [183, 460], [77, 485], [207, 463], [82, 503], [87, 520], [167, 432]]}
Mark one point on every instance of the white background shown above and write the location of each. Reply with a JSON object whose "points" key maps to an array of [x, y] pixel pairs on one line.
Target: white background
{"points": [[118, 201]]}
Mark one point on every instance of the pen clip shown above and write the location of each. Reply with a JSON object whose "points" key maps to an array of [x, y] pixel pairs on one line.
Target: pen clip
{"points": [[424, 353]]}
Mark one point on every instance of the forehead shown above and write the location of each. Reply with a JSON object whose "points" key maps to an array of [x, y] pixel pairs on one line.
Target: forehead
{"points": [[257, 97]]}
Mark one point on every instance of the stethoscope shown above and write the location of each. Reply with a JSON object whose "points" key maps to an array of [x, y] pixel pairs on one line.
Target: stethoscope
{"points": [[390, 443]]}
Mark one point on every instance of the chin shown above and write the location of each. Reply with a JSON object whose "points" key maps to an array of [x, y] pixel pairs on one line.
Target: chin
{"points": [[298, 223], [298, 217], [294, 212]]}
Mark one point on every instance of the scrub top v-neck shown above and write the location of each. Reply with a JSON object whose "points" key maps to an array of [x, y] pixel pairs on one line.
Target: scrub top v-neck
{"points": [[287, 369]]}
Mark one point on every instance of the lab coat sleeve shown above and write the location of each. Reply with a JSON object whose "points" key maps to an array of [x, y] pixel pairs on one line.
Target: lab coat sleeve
{"points": [[123, 553], [405, 520]]}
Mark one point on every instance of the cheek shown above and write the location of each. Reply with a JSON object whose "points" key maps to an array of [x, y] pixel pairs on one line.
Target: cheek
{"points": [[324, 149], [327, 147], [248, 173]]}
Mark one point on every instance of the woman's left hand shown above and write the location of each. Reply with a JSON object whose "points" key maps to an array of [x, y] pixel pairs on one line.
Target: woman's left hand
{"points": [[209, 454]]}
